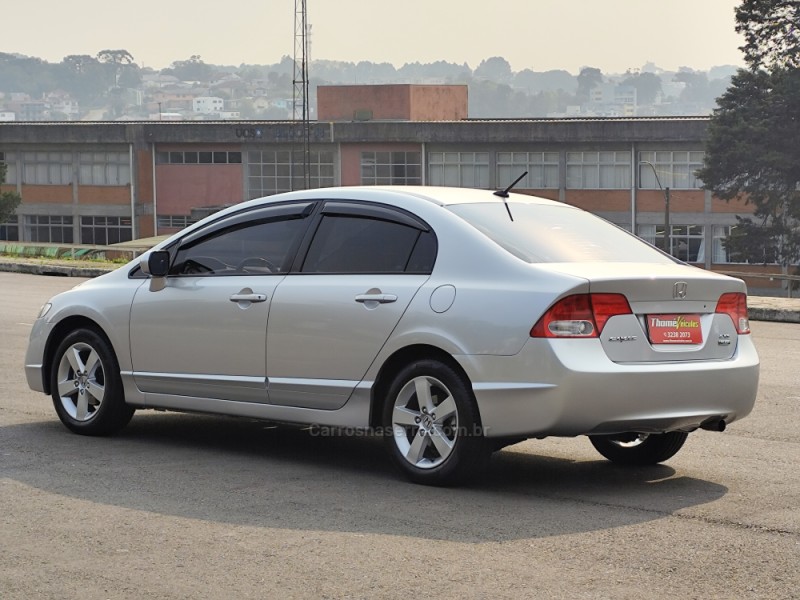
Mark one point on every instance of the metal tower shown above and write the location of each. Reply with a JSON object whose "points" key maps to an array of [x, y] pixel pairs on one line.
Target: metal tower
{"points": [[300, 97]]}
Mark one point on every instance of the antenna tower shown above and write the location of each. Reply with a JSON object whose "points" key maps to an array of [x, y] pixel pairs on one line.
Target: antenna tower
{"points": [[300, 97]]}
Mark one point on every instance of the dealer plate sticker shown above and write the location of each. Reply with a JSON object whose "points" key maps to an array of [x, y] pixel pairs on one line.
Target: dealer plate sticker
{"points": [[674, 329]]}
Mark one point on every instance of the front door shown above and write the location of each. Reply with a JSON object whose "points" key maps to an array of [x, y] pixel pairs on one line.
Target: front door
{"points": [[204, 333]]}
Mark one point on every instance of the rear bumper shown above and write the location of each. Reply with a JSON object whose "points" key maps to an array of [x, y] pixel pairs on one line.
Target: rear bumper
{"points": [[570, 388]]}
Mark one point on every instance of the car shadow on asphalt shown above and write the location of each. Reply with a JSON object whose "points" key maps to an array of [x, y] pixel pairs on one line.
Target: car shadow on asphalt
{"points": [[250, 473]]}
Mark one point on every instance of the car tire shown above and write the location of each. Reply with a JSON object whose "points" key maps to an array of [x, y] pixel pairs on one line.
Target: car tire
{"points": [[86, 386], [639, 449], [432, 426]]}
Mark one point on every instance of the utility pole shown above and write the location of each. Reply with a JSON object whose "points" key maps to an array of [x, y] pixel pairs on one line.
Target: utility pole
{"points": [[300, 97], [665, 191]]}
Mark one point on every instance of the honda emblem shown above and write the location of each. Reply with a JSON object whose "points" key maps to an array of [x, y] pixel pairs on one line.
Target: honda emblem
{"points": [[679, 290]]}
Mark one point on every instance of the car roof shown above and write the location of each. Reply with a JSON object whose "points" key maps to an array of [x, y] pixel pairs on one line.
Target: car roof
{"points": [[400, 195]]}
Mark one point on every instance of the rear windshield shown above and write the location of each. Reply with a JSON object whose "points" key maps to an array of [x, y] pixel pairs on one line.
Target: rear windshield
{"points": [[552, 233]]}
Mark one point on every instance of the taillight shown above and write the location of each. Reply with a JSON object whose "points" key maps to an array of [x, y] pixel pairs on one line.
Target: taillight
{"points": [[580, 316], [734, 304]]}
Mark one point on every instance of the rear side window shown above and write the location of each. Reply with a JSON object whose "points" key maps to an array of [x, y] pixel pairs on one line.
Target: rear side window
{"points": [[352, 244], [553, 234]]}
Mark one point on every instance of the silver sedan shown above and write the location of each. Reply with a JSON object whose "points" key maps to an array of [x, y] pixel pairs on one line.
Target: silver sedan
{"points": [[450, 321]]}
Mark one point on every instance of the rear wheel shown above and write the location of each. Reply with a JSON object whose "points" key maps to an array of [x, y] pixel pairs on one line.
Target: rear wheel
{"points": [[432, 426], [86, 385], [639, 448]]}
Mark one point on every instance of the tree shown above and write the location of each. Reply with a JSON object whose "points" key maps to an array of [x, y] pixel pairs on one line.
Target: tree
{"points": [[648, 86], [588, 79], [193, 69], [494, 69], [9, 201], [82, 76], [117, 61], [751, 151], [770, 33]]}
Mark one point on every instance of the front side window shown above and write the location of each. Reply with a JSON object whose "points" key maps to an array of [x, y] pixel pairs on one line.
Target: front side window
{"points": [[350, 244], [258, 247]]}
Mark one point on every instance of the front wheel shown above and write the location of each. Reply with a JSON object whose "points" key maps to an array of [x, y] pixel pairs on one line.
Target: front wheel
{"points": [[639, 448], [86, 385], [432, 426]]}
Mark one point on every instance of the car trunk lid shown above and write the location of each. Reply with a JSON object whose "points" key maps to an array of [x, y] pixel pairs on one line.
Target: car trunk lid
{"points": [[673, 308]]}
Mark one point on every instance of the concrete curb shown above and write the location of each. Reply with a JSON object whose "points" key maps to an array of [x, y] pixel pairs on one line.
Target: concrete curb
{"points": [[61, 270], [772, 314]]}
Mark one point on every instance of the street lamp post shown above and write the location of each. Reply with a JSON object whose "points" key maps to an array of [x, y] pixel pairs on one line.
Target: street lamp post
{"points": [[667, 228]]}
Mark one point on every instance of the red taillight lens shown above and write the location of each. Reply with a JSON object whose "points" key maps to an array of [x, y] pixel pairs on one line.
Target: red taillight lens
{"points": [[734, 304], [580, 316]]}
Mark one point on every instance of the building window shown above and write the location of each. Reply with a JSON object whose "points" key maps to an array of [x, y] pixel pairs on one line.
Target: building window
{"points": [[194, 157], [391, 168], [687, 242], [598, 170], [720, 254], [275, 171], [542, 168], [9, 159], [48, 229], [675, 170], [46, 168], [459, 169], [104, 168], [174, 221], [102, 231], [9, 231]]}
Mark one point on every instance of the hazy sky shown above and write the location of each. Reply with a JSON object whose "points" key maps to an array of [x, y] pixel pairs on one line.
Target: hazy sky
{"points": [[613, 35]]}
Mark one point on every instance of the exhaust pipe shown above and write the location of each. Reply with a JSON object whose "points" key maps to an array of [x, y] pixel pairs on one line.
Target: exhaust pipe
{"points": [[714, 425]]}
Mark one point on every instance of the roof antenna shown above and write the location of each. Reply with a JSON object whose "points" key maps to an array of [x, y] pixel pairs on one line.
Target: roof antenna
{"points": [[504, 193]]}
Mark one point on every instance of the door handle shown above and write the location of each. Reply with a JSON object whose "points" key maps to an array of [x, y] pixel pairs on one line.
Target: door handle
{"points": [[379, 298], [248, 298]]}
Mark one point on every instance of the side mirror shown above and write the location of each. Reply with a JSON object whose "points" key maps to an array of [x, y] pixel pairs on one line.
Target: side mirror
{"points": [[155, 263]]}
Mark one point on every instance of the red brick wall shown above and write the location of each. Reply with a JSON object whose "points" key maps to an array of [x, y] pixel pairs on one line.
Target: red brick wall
{"points": [[392, 102], [439, 102], [179, 188], [679, 201], [95, 194], [600, 200], [54, 194]]}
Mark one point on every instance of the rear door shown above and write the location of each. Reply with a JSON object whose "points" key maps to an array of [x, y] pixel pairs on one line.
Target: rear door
{"points": [[330, 317]]}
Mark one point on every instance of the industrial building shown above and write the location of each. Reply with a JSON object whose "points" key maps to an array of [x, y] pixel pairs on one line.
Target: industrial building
{"points": [[103, 182]]}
